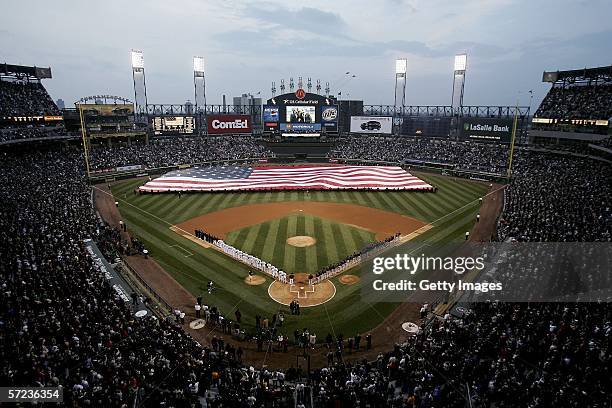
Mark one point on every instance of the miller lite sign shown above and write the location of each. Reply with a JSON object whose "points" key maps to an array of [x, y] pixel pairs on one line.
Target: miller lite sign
{"points": [[300, 94], [228, 124]]}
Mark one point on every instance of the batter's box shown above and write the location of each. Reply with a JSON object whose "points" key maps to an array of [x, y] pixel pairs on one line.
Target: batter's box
{"points": [[302, 291]]}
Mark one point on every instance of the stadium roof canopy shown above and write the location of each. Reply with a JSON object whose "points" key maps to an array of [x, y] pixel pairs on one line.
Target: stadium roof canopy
{"points": [[24, 72], [599, 74]]}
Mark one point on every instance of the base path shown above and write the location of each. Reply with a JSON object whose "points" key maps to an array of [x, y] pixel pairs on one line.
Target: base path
{"points": [[382, 223]]}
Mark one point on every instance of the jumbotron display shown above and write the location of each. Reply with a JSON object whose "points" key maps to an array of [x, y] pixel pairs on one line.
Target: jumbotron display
{"points": [[301, 114]]}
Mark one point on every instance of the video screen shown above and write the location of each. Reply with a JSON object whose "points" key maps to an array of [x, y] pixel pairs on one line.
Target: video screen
{"points": [[270, 114], [300, 114], [173, 124]]}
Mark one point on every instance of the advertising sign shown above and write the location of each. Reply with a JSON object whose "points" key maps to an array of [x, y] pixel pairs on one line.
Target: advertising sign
{"points": [[270, 114], [372, 124], [224, 124], [487, 129], [300, 127], [329, 118]]}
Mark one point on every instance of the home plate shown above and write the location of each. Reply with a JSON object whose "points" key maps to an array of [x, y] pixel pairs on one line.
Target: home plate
{"points": [[197, 324]]}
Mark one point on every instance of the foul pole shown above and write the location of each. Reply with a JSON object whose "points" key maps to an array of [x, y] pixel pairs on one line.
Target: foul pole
{"points": [[84, 138]]}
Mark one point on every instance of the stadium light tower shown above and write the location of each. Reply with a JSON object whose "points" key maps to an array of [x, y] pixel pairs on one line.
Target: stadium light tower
{"points": [[401, 67], [459, 80], [199, 84], [140, 83], [199, 89]]}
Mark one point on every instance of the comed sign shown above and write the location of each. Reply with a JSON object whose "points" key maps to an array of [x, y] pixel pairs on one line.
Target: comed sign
{"points": [[487, 129], [226, 124]]}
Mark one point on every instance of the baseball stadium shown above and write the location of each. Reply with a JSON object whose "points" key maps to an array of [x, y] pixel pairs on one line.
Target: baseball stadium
{"points": [[299, 246]]}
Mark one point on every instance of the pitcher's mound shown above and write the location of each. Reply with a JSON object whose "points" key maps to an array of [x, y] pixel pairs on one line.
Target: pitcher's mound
{"points": [[307, 295], [301, 241], [254, 280], [348, 279]]}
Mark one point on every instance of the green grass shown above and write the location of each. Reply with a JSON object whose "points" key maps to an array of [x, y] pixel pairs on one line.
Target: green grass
{"points": [[452, 210], [267, 241]]}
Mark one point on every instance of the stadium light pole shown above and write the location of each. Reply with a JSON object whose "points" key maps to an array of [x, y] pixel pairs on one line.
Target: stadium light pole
{"points": [[138, 76], [199, 90], [460, 67], [401, 67]]}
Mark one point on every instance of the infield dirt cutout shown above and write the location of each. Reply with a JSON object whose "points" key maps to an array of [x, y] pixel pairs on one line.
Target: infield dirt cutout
{"points": [[254, 280], [307, 295], [382, 223], [301, 241], [348, 279]]}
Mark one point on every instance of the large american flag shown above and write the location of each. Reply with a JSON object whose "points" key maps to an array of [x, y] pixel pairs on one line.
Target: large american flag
{"points": [[329, 177]]}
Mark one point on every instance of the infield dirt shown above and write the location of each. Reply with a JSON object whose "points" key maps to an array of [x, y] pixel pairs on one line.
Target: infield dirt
{"points": [[382, 223]]}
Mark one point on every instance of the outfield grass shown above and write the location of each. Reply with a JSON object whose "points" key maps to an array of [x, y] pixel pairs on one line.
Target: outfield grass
{"points": [[452, 210]]}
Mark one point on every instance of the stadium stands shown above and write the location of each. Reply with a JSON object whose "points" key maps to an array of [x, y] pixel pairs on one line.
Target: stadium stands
{"points": [[577, 102], [490, 158], [25, 99], [172, 152], [62, 324]]}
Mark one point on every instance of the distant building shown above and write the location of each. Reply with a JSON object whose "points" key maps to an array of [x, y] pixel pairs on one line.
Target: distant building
{"points": [[242, 104], [60, 103], [188, 108]]}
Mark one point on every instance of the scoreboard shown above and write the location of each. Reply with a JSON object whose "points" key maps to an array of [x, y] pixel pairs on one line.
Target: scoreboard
{"points": [[169, 125]]}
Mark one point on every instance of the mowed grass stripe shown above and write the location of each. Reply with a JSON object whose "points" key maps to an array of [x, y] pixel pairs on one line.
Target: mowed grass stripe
{"points": [[271, 241], [178, 207], [341, 245], [279, 249], [300, 253], [328, 236], [322, 255], [347, 238], [251, 239], [288, 260], [311, 251]]}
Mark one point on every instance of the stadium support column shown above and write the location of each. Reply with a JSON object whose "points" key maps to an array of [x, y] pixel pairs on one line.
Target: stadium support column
{"points": [[199, 86], [401, 67], [140, 85]]}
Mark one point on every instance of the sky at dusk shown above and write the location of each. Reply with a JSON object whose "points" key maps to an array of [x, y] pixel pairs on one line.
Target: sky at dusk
{"points": [[247, 45]]}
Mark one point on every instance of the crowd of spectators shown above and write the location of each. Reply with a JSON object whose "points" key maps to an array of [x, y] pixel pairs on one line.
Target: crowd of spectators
{"points": [[555, 198], [486, 157], [25, 99], [26, 133], [175, 151], [497, 355], [62, 324], [577, 102]]}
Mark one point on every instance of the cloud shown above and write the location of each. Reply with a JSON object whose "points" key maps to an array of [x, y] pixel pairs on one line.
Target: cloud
{"points": [[308, 19], [279, 42]]}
